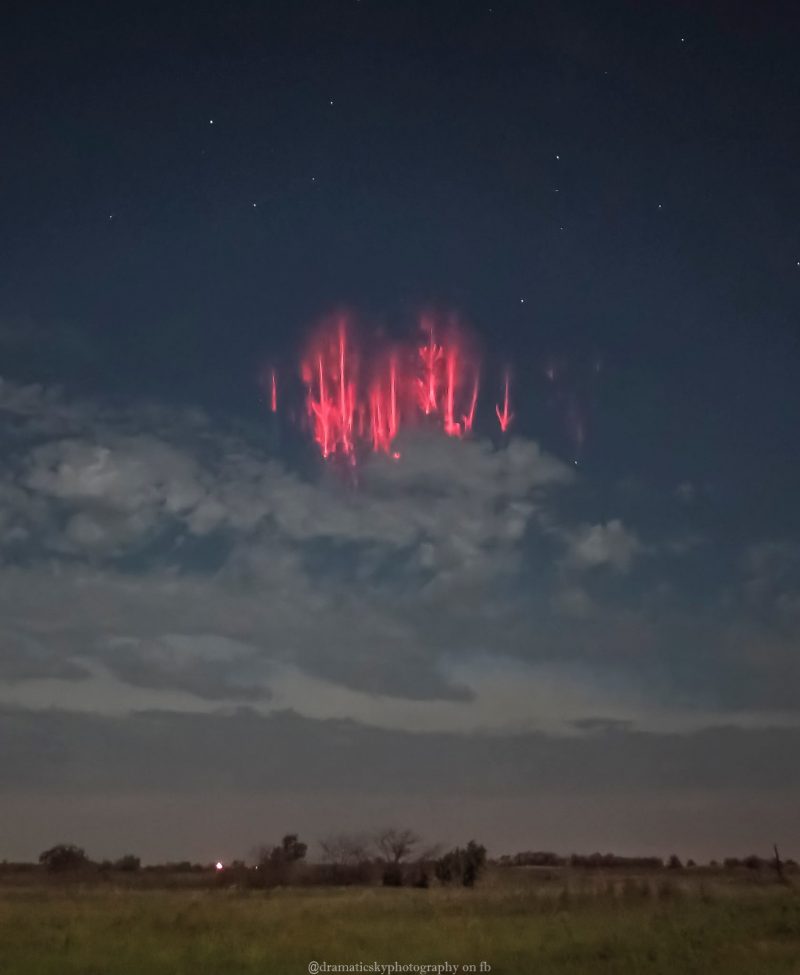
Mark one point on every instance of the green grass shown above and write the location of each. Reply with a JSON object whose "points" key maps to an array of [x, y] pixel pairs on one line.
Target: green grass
{"points": [[625, 928]]}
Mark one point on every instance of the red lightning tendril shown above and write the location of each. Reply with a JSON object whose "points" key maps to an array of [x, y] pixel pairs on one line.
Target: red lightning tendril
{"points": [[428, 383], [357, 400], [504, 416]]}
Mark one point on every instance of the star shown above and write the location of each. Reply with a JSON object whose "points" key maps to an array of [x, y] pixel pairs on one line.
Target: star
{"points": [[255, 205], [522, 301], [211, 121], [558, 157]]}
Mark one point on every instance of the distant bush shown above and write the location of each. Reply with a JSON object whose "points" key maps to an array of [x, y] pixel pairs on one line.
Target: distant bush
{"points": [[461, 866], [11, 866], [63, 857], [277, 864], [128, 864], [535, 859], [610, 860], [751, 862]]}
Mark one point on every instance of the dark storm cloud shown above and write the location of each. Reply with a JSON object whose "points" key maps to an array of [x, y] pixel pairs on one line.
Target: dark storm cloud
{"points": [[240, 753], [115, 784]]}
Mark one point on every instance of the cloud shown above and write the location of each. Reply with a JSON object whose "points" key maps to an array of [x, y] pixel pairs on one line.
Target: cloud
{"points": [[123, 526], [154, 558], [608, 544]]}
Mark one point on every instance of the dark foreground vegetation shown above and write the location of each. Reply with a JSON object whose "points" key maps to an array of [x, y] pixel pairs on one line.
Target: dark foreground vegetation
{"points": [[518, 920], [388, 899]]}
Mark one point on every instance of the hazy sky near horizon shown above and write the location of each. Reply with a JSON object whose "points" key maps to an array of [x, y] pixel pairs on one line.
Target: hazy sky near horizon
{"points": [[585, 635]]}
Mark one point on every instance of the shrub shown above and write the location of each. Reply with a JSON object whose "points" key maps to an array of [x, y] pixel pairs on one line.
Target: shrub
{"points": [[276, 865], [461, 866], [63, 857], [128, 864]]}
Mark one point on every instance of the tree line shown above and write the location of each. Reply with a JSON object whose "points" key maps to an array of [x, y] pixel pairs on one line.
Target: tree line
{"points": [[392, 857]]}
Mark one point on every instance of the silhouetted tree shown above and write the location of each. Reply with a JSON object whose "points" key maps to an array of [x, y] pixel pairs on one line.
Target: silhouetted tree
{"points": [[346, 859], [674, 863], [474, 862], [461, 866], [290, 850], [276, 864], [395, 846], [448, 867], [344, 849], [63, 856]]}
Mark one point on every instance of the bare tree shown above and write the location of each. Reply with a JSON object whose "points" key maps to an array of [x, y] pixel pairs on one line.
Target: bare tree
{"points": [[346, 859], [396, 845], [345, 849]]}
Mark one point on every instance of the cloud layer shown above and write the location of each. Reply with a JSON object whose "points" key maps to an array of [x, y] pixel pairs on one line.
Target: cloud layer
{"points": [[152, 558]]}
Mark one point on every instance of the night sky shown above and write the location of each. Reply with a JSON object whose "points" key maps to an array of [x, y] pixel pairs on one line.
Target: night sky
{"points": [[208, 635]]}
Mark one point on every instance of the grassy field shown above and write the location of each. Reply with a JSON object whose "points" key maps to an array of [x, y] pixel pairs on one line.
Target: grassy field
{"points": [[516, 924]]}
